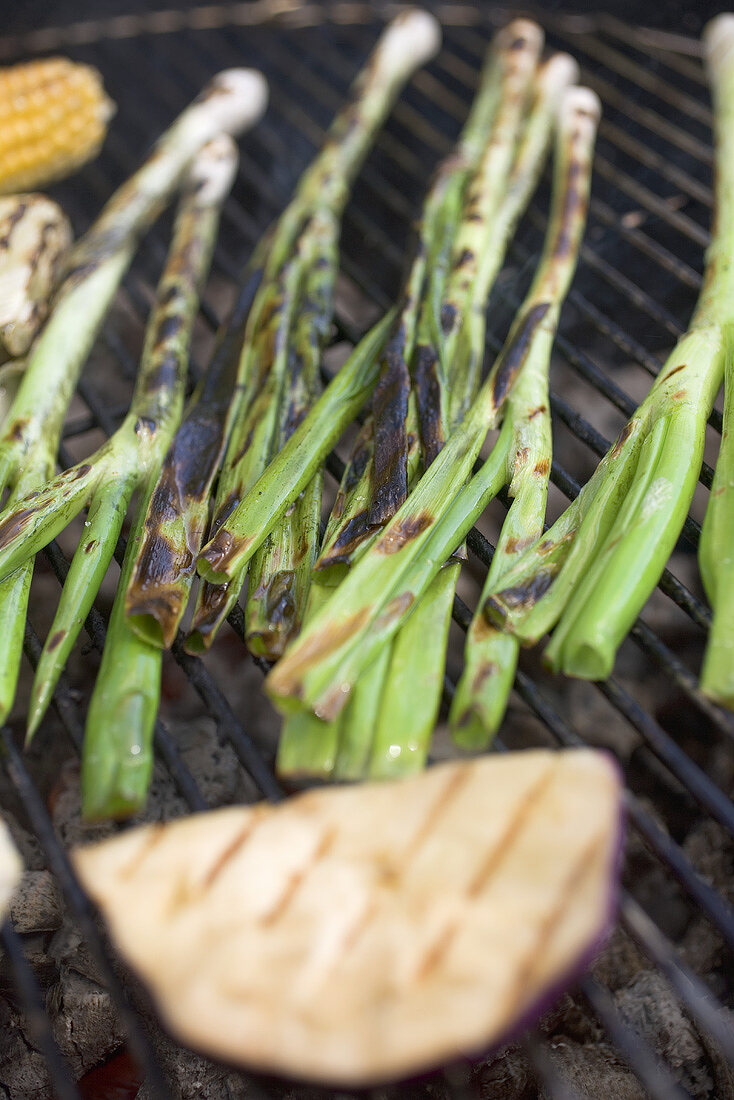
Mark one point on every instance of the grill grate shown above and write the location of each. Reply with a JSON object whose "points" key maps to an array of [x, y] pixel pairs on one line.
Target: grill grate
{"points": [[640, 270]]}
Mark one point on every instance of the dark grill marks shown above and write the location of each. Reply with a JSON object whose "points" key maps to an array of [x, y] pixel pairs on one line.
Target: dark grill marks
{"points": [[545, 933], [296, 879], [428, 400], [521, 596], [572, 214], [315, 649], [15, 524], [404, 531], [212, 599], [232, 849], [438, 950], [514, 355], [388, 873], [390, 410], [350, 536], [621, 439]]}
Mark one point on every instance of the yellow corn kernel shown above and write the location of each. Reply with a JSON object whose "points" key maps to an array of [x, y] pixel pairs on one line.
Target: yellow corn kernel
{"points": [[54, 115]]}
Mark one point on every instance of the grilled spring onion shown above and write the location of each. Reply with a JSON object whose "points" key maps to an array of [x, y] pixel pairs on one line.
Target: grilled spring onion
{"points": [[98, 261], [279, 370], [117, 759], [715, 553], [351, 525], [390, 719], [413, 687], [53, 118], [35, 236], [226, 556], [599, 562], [321, 667]]}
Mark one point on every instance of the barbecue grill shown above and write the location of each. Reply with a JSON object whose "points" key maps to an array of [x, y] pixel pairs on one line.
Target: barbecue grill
{"points": [[634, 291]]}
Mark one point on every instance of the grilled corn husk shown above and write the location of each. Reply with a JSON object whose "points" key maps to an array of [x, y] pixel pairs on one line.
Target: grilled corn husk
{"points": [[362, 933], [35, 236], [53, 118]]}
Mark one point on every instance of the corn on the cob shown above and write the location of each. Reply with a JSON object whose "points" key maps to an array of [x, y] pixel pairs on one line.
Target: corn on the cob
{"points": [[34, 239], [53, 118]]}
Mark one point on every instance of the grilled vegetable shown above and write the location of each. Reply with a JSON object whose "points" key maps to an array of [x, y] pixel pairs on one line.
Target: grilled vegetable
{"points": [[11, 868], [30, 436], [116, 761], [226, 556], [34, 238], [716, 548], [354, 936], [279, 370], [320, 668], [53, 118], [413, 686], [599, 562], [490, 657]]}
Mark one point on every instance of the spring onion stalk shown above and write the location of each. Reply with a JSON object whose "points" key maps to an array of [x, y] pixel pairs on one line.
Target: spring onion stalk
{"points": [[349, 531], [351, 525], [321, 667], [117, 757], [716, 548], [107, 480], [490, 656], [280, 574], [281, 353], [471, 180], [226, 556], [178, 508], [28, 445], [598, 564], [408, 728]]}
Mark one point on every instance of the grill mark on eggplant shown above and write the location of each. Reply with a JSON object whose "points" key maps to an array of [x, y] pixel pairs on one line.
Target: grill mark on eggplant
{"points": [[233, 848], [548, 927], [155, 836], [278, 910], [438, 950]]}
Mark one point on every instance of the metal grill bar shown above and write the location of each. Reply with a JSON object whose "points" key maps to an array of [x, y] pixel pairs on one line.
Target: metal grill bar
{"points": [[379, 201], [38, 1021]]}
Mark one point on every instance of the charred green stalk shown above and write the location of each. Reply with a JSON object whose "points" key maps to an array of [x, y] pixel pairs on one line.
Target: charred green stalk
{"points": [[281, 354], [117, 758], [598, 564], [494, 206], [349, 531], [405, 729], [716, 549], [321, 667], [178, 509], [107, 479], [280, 574], [96, 265], [447, 235], [490, 657]]}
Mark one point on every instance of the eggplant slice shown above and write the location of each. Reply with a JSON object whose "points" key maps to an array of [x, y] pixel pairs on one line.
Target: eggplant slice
{"points": [[360, 934]]}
